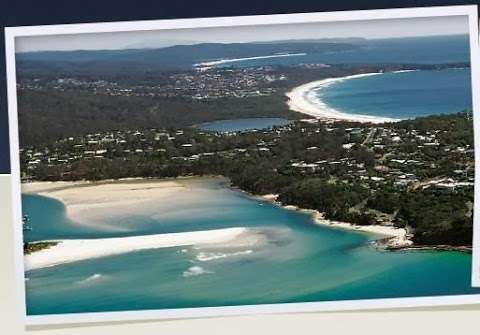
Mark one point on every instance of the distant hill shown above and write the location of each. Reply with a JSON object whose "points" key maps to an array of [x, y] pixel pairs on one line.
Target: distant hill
{"points": [[174, 57], [429, 49], [347, 40]]}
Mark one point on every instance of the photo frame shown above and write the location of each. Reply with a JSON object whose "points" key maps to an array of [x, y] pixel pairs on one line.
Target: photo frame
{"points": [[14, 33]]}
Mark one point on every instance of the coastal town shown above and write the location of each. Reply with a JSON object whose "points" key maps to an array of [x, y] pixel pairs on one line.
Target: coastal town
{"points": [[368, 166], [358, 169], [206, 83], [427, 162], [195, 84]]}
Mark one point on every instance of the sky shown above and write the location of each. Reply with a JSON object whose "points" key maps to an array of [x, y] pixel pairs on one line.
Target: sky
{"points": [[371, 29]]}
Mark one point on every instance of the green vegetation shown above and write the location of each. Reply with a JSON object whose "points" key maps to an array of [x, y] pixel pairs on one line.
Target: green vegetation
{"points": [[335, 200], [71, 104], [437, 217], [76, 113], [135, 61], [416, 174], [94, 120], [31, 247]]}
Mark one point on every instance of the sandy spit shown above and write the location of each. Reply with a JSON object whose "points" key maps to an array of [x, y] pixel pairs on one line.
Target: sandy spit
{"points": [[67, 251]]}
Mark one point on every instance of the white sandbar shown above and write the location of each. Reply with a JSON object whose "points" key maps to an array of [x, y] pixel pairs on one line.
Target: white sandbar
{"points": [[90, 202], [67, 251], [233, 60]]}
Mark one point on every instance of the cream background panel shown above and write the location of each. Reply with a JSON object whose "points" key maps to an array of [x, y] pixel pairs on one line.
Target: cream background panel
{"points": [[449, 320]]}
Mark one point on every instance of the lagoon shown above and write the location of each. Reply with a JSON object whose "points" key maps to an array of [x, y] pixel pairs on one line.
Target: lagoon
{"points": [[293, 259], [224, 126]]}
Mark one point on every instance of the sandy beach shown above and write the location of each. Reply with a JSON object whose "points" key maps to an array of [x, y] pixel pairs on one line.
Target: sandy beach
{"points": [[89, 202], [210, 64], [301, 100], [76, 250], [396, 237], [50, 186]]}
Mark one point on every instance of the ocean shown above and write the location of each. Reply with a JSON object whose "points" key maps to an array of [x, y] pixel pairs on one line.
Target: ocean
{"points": [[395, 95], [415, 50], [401, 95], [295, 260]]}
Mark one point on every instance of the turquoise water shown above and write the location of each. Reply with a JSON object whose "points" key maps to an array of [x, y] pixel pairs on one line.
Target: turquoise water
{"points": [[243, 124], [401, 95], [292, 260]]}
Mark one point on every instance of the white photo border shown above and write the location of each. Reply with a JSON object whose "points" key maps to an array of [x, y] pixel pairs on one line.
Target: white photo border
{"points": [[346, 305]]}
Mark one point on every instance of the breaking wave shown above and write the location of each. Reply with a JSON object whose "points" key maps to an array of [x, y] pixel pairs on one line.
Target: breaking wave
{"points": [[92, 278], [210, 256], [195, 271]]}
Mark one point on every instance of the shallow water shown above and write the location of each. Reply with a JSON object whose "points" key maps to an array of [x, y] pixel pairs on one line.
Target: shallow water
{"points": [[295, 260]]}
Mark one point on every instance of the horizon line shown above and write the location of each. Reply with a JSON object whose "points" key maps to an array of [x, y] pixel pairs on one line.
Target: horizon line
{"points": [[247, 42]]}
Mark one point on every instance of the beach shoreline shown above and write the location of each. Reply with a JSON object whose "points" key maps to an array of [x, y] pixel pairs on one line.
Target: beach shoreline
{"points": [[87, 203], [391, 237], [299, 101], [67, 251], [211, 64]]}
